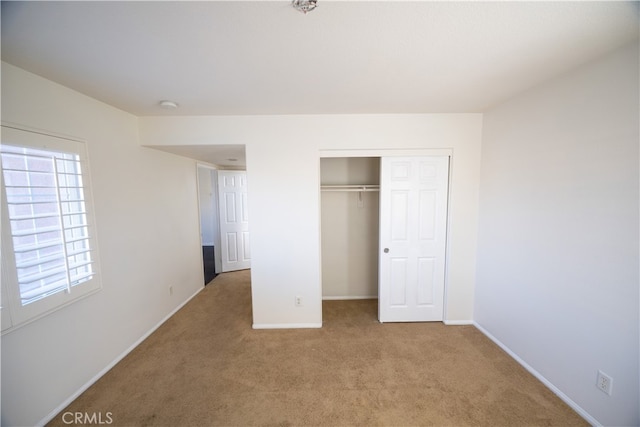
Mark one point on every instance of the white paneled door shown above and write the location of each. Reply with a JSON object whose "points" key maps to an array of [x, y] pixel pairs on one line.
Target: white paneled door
{"points": [[413, 225], [234, 220]]}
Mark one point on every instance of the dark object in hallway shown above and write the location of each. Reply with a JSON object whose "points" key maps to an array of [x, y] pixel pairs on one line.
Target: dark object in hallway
{"points": [[209, 263]]}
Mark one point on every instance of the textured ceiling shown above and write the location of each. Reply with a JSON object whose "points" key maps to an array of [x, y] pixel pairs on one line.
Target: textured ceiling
{"points": [[264, 57]]}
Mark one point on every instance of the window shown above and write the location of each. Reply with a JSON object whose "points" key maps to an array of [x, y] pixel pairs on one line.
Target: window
{"points": [[48, 234]]}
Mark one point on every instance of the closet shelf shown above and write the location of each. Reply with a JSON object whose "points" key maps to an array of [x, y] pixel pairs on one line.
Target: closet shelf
{"points": [[358, 188]]}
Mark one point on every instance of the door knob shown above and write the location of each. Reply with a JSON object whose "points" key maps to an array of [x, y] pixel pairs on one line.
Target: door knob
{"points": [[386, 250]]}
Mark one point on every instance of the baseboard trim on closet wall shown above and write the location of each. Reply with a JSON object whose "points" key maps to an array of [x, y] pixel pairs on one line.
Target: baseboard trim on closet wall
{"points": [[457, 322], [584, 414], [334, 298], [286, 325], [115, 361]]}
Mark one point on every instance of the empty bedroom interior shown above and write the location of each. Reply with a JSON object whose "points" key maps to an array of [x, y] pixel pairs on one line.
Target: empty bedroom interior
{"points": [[537, 113]]}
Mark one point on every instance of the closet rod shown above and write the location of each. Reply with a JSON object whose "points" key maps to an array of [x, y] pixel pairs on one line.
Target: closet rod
{"points": [[357, 188]]}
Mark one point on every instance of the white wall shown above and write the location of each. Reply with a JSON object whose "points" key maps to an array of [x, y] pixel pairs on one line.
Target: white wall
{"points": [[350, 171], [283, 175], [147, 229], [558, 244], [207, 201]]}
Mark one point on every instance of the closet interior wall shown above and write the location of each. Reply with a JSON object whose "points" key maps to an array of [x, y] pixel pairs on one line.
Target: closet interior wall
{"points": [[350, 224]]}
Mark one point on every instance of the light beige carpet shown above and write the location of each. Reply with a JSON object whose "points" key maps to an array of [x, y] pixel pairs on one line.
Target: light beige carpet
{"points": [[206, 366]]}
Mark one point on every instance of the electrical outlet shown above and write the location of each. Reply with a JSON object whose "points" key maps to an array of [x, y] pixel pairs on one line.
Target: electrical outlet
{"points": [[604, 383], [298, 301]]}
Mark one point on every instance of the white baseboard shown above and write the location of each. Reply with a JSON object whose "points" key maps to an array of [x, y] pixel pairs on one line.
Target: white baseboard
{"points": [[457, 322], [336, 298], [106, 369], [286, 325], [584, 414]]}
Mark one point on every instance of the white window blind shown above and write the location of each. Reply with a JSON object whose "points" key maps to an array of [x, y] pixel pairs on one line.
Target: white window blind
{"points": [[48, 243], [45, 199]]}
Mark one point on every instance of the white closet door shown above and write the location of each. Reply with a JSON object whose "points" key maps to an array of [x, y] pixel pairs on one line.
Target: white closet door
{"points": [[413, 214], [234, 220]]}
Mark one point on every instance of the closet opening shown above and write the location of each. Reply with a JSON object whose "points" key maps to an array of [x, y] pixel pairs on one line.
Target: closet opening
{"points": [[350, 230]]}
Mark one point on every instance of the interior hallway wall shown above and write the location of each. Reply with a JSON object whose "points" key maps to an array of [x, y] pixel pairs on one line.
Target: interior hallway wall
{"points": [[208, 206], [558, 244]]}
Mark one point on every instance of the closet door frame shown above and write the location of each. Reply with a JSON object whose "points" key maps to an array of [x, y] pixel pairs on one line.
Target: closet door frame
{"points": [[418, 152]]}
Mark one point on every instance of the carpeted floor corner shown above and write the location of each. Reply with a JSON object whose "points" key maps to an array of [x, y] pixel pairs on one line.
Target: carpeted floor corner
{"points": [[206, 366]]}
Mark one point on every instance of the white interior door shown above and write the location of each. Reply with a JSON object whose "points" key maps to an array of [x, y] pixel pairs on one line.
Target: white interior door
{"points": [[413, 216], [234, 220]]}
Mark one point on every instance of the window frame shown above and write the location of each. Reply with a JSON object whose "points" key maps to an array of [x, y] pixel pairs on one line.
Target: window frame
{"points": [[13, 313]]}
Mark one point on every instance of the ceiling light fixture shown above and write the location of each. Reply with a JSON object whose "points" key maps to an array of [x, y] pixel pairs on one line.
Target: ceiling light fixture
{"points": [[304, 6], [168, 105]]}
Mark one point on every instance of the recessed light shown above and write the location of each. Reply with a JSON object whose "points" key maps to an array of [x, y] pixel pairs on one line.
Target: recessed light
{"points": [[168, 105]]}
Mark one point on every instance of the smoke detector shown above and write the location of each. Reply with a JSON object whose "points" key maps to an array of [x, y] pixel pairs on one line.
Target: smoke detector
{"points": [[168, 105]]}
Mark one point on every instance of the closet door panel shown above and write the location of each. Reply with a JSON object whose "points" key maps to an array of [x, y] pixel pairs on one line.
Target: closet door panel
{"points": [[413, 212]]}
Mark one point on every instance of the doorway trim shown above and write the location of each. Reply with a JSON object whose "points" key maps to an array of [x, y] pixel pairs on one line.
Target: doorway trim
{"points": [[392, 152]]}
